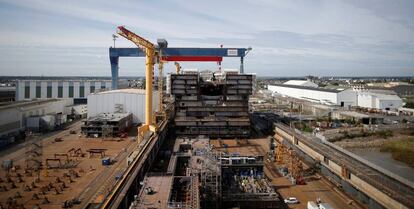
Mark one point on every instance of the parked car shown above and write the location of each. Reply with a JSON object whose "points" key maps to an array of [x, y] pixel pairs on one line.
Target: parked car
{"points": [[291, 200]]}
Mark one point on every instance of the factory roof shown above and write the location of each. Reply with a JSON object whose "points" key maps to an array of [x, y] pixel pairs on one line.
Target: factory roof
{"points": [[7, 88], [385, 95], [128, 91], [301, 83], [25, 103], [307, 88], [65, 80]]}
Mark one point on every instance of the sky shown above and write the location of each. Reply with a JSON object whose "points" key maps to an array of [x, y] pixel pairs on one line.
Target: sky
{"points": [[288, 38]]}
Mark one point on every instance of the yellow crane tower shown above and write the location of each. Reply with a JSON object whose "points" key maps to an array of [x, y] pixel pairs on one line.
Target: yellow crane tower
{"points": [[149, 50], [160, 84], [178, 67]]}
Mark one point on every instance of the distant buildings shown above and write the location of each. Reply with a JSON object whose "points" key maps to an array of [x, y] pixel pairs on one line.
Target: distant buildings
{"points": [[42, 89], [381, 101], [16, 116], [7, 93], [315, 94], [306, 90]]}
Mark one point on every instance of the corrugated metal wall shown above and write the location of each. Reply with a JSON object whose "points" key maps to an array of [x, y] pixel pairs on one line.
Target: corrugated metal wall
{"points": [[130, 102]]}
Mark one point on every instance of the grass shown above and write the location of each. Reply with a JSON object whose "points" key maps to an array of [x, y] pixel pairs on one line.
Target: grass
{"points": [[347, 135], [401, 150]]}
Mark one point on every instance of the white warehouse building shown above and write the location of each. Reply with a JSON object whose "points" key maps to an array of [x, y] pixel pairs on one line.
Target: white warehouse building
{"points": [[379, 101], [121, 101], [373, 99], [42, 89], [13, 116], [343, 98]]}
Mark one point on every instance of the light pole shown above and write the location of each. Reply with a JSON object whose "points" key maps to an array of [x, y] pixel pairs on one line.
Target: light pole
{"points": [[114, 37]]}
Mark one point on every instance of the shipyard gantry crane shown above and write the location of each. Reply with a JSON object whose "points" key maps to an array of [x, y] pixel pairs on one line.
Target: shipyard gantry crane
{"points": [[160, 54]]}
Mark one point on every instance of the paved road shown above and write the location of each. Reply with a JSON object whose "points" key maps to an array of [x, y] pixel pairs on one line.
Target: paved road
{"points": [[17, 151]]}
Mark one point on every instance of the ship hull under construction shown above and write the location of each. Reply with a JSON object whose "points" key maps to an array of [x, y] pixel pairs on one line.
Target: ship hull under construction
{"points": [[212, 104]]}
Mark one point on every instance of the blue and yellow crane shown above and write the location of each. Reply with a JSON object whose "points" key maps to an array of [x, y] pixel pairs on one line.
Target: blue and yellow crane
{"points": [[159, 54]]}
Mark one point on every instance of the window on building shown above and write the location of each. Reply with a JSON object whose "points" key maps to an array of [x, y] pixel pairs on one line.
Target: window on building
{"points": [[81, 91], [38, 91], [92, 89], [103, 86], [60, 91], [49, 90], [71, 91], [27, 92]]}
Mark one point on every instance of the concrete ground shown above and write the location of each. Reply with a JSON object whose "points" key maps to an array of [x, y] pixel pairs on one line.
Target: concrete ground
{"points": [[89, 180], [315, 187]]}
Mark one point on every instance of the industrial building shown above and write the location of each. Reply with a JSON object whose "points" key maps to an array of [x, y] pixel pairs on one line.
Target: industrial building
{"points": [[42, 89], [382, 101], [120, 101], [13, 116], [343, 98], [372, 99], [76, 111], [7, 93]]}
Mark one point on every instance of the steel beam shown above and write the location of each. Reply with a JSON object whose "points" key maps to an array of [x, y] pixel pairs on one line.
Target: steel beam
{"points": [[175, 54]]}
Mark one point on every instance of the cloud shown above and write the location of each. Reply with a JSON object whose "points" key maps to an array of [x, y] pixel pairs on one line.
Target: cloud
{"points": [[288, 37]]}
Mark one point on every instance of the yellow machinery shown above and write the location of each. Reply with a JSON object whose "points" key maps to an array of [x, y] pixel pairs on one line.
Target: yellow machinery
{"points": [[178, 67], [149, 49], [160, 85]]}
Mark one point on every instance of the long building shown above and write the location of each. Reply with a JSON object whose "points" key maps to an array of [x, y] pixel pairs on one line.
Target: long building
{"points": [[382, 101], [320, 95], [13, 116], [372, 99], [42, 89]]}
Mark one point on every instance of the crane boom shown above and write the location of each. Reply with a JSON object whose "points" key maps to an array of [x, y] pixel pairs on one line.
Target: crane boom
{"points": [[150, 57], [136, 39]]}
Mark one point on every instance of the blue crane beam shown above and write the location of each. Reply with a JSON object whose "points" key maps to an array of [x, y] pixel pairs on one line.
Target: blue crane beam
{"points": [[115, 53]]}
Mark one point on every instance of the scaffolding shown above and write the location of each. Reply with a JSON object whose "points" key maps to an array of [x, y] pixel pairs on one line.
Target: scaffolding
{"points": [[107, 124], [211, 179], [295, 168], [34, 155]]}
